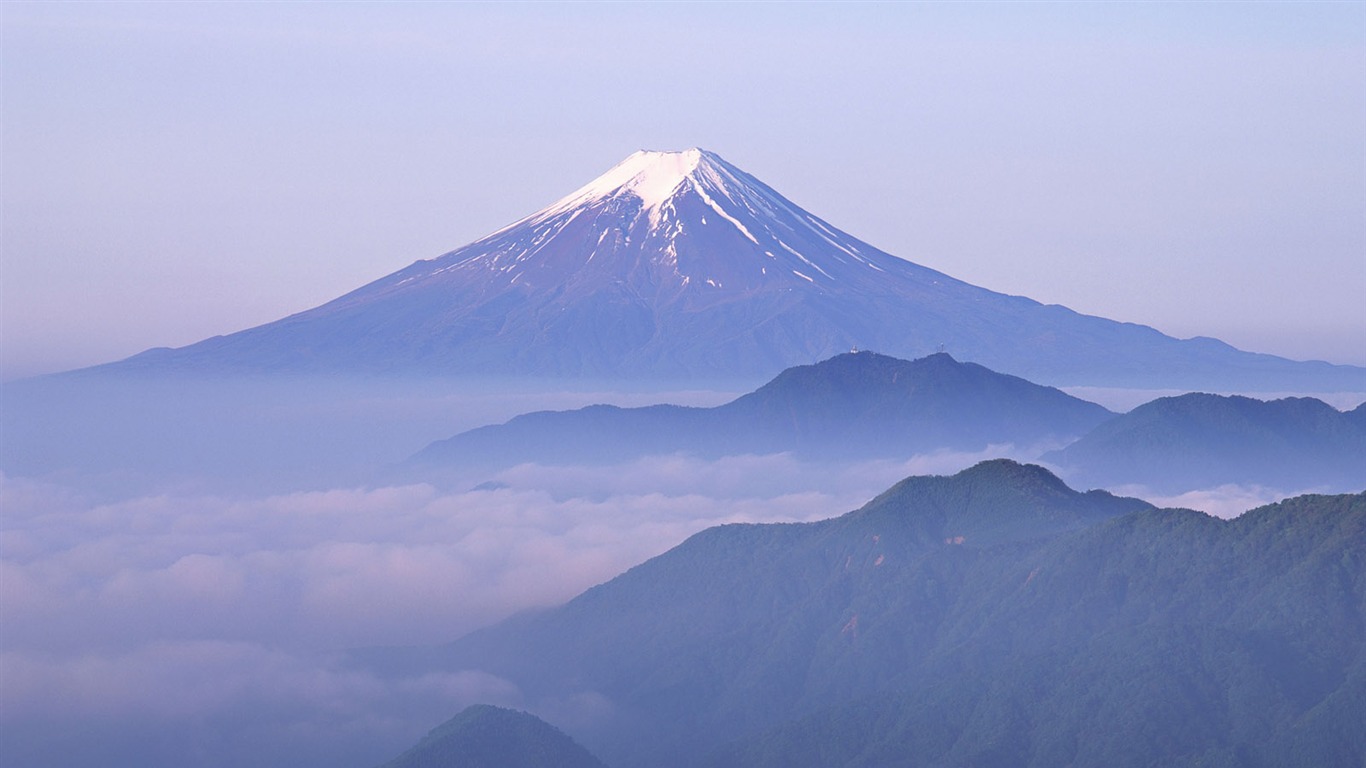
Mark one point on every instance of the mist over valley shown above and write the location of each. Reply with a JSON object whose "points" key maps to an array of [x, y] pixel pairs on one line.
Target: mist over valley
{"points": [[939, 385]]}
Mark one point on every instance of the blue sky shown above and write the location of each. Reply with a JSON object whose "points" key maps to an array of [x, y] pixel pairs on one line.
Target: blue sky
{"points": [[173, 171]]}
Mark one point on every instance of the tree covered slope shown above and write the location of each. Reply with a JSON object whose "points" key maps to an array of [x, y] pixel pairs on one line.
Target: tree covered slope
{"points": [[994, 617]]}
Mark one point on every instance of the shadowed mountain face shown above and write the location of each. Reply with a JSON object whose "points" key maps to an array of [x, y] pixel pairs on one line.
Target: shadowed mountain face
{"points": [[491, 737], [995, 617], [677, 265], [1200, 441], [856, 405]]}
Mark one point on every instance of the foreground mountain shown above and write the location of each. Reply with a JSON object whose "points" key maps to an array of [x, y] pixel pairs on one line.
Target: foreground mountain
{"points": [[1193, 441], [492, 737], [991, 618], [680, 265], [855, 405]]}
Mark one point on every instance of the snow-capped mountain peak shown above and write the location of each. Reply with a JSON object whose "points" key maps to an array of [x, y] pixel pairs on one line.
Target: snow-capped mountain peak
{"points": [[670, 224], [651, 176], [655, 178], [680, 264]]}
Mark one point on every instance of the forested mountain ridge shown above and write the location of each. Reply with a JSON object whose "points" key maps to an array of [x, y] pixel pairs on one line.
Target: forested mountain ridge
{"points": [[994, 617]]}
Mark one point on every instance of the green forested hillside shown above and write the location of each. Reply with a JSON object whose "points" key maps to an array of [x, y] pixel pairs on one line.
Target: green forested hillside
{"points": [[1163, 637], [995, 617]]}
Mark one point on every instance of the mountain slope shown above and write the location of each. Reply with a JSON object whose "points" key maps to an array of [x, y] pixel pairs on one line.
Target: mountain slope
{"points": [[680, 265], [995, 617], [1199, 440], [483, 736], [855, 405]]}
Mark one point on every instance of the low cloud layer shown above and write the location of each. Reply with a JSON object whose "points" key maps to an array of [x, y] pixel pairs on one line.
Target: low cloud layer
{"points": [[331, 569], [171, 624], [208, 628]]}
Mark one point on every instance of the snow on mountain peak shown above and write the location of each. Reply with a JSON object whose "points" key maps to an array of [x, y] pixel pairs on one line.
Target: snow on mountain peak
{"points": [[695, 220], [684, 203], [651, 176]]}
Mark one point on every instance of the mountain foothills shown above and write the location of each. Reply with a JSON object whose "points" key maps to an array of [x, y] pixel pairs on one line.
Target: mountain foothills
{"points": [[992, 618], [482, 736], [852, 406], [679, 265], [1201, 441], [864, 405]]}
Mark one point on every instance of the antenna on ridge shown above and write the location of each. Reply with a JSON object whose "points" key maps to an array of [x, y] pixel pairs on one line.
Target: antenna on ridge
{"points": [[941, 349]]}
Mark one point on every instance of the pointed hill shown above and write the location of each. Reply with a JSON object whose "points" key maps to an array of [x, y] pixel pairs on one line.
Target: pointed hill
{"points": [[679, 265], [1197, 440], [484, 736], [855, 405], [993, 502], [935, 401], [993, 617]]}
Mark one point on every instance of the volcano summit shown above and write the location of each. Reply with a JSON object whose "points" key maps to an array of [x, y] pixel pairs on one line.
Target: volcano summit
{"points": [[680, 265]]}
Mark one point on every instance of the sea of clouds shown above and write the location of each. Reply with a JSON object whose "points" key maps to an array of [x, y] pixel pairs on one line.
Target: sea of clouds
{"points": [[169, 599], [176, 627]]}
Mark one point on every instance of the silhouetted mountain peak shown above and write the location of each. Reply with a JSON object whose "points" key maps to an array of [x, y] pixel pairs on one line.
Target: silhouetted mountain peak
{"points": [[1207, 407], [990, 502], [484, 736], [1200, 440], [1024, 478], [869, 377], [859, 404]]}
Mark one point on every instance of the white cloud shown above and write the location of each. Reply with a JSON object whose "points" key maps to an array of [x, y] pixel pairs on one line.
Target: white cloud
{"points": [[394, 565], [1225, 501], [353, 567], [200, 612]]}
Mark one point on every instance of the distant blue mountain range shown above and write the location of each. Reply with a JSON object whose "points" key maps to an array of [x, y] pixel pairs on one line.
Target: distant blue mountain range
{"points": [[869, 406]]}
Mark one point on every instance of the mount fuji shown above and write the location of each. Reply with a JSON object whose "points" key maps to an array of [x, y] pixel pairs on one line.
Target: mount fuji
{"points": [[679, 265]]}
